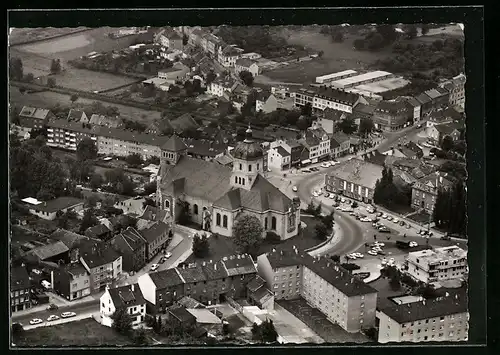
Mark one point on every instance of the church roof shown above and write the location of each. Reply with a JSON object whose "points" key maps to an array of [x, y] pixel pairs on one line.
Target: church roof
{"points": [[263, 196], [174, 144], [248, 149]]}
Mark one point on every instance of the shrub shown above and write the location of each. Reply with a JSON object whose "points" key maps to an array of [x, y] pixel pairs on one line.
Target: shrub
{"points": [[351, 267], [272, 237]]}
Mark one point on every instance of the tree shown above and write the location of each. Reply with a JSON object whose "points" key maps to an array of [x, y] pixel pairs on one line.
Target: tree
{"points": [[16, 69], [173, 89], [321, 231], [246, 77], [122, 321], [425, 29], [73, 98], [328, 220], [51, 82], [359, 44], [247, 233], [29, 78], [86, 149], [303, 123], [366, 126], [335, 258], [265, 332], [17, 329], [411, 31], [211, 76], [55, 66], [140, 337], [89, 220], [201, 246], [320, 54], [395, 282], [375, 42], [134, 159], [338, 36], [96, 181], [306, 110], [388, 33], [185, 39], [347, 125], [447, 143]]}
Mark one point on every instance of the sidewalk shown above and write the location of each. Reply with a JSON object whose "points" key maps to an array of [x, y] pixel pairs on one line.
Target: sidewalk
{"points": [[61, 321]]}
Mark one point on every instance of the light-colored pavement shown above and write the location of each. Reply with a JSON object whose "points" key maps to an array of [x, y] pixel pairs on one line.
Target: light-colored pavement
{"points": [[80, 309], [59, 321]]}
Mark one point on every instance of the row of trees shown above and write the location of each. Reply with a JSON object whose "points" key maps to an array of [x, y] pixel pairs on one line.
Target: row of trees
{"points": [[389, 195], [450, 209], [336, 33]]}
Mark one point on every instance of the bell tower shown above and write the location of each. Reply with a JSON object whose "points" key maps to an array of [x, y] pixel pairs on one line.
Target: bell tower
{"points": [[248, 162]]}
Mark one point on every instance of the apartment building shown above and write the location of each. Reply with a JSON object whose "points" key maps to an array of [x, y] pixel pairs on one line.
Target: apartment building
{"points": [[207, 282], [71, 281], [324, 140], [456, 88], [20, 298], [323, 97], [343, 298], [244, 64], [102, 263], [68, 134], [424, 191], [128, 297], [355, 179], [132, 247], [34, 118], [392, 115], [441, 319], [437, 265], [278, 158], [221, 86], [228, 56]]}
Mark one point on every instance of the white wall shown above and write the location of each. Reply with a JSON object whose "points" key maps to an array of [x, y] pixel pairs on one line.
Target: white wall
{"points": [[148, 288]]}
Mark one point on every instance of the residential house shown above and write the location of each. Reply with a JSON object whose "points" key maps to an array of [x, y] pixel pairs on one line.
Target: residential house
{"points": [[205, 149], [101, 120], [78, 116], [251, 56], [259, 295], [133, 205], [34, 118], [155, 214], [436, 265], [423, 320], [329, 119], [127, 297], [278, 158], [340, 144], [405, 164], [102, 263], [283, 92], [343, 298], [312, 144], [363, 111], [195, 37], [228, 56], [355, 179], [178, 72], [425, 104], [214, 43], [99, 231], [221, 86], [171, 40], [324, 141], [456, 88], [408, 150], [20, 289], [439, 97], [71, 281], [413, 104], [439, 131], [374, 157], [324, 97], [68, 134], [157, 236], [48, 210], [424, 191], [244, 64], [131, 245], [52, 252], [161, 289], [160, 127], [392, 115], [443, 116]]}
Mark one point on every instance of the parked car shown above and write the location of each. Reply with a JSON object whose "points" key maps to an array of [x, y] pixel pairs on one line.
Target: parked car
{"points": [[154, 267], [342, 199], [384, 216], [332, 196], [402, 223], [162, 260], [168, 255], [372, 252], [384, 230], [52, 307], [325, 165], [36, 321], [52, 318], [68, 314], [380, 214], [306, 170], [295, 189], [314, 169], [380, 244], [413, 244], [395, 220]]}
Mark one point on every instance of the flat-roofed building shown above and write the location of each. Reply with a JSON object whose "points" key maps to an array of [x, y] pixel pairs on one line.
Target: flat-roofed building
{"points": [[362, 79], [437, 265], [324, 79]]}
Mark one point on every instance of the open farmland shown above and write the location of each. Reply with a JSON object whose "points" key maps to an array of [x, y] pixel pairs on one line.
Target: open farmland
{"points": [[88, 80], [22, 35], [336, 57], [48, 99]]}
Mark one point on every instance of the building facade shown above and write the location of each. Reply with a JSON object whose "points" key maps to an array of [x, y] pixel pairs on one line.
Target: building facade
{"points": [[424, 191], [103, 264], [456, 88], [20, 289], [128, 297], [392, 115], [71, 282]]}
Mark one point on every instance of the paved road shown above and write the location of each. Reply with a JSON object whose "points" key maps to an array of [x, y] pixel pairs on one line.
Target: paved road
{"points": [[79, 308]]}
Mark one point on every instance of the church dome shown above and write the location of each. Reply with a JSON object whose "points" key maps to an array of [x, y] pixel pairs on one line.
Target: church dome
{"points": [[248, 149]]}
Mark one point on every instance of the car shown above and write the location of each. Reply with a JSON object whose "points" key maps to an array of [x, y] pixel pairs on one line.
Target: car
{"points": [[352, 256], [379, 214], [380, 244], [162, 260], [334, 162], [36, 321], [408, 226], [314, 169], [154, 267], [342, 199], [413, 244], [389, 218], [306, 170], [384, 216], [52, 318], [445, 237], [52, 307], [325, 165], [359, 255], [295, 189], [36, 271], [332, 196], [402, 223], [419, 125], [315, 194], [168, 255], [372, 252], [395, 220], [68, 314]]}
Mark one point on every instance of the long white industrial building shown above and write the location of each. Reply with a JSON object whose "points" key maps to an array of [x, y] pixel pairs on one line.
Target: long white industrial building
{"points": [[335, 76]]}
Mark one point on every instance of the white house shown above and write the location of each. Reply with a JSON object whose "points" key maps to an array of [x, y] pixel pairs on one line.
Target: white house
{"points": [[129, 296], [278, 158], [228, 56], [48, 210], [244, 64], [222, 85]]}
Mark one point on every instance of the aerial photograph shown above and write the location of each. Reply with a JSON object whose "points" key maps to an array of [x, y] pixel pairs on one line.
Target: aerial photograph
{"points": [[237, 185]]}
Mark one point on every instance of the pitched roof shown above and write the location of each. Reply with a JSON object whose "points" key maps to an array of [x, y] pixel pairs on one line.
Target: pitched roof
{"points": [[184, 122], [130, 238], [19, 278], [282, 151], [263, 196], [127, 296], [181, 314], [75, 115], [391, 106], [230, 51], [203, 147], [224, 159], [34, 112], [240, 265], [189, 302], [439, 307], [97, 231], [166, 278], [174, 144], [375, 157], [362, 108], [192, 274], [151, 234], [100, 256], [336, 94], [154, 214], [358, 171], [261, 295], [57, 204], [309, 140], [328, 270], [203, 179], [71, 239], [256, 283], [245, 62], [437, 180], [449, 128], [340, 137], [47, 251], [102, 120], [423, 98]]}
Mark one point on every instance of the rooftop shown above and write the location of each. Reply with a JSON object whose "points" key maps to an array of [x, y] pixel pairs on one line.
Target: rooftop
{"points": [[335, 75], [33, 112], [57, 204], [98, 256], [127, 296], [181, 314], [440, 254], [245, 62], [362, 77], [359, 172], [19, 278], [45, 252]]}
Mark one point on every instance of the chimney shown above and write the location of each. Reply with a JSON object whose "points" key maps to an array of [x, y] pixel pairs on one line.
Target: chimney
{"points": [[132, 287]]}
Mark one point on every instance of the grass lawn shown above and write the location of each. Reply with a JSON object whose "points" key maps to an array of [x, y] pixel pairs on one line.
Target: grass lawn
{"points": [[85, 332], [88, 80], [420, 217]]}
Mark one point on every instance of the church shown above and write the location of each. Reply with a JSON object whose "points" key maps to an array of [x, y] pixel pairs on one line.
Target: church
{"points": [[214, 196]]}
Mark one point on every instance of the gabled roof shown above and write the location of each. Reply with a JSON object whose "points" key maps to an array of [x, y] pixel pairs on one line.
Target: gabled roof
{"points": [[309, 140], [192, 274], [97, 231], [130, 238], [99, 256], [19, 278], [449, 128], [166, 278], [152, 233], [75, 115], [282, 151], [423, 98], [364, 109], [184, 122], [240, 265], [358, 171], [174, 144], [34, 112], [127, 296], [182, 315], [263, 196], [57, 204], [154, 214], [45, 252], [71, 239], [102, 120], [256, 283], [189, 302], [244, 62], [375, 157]]}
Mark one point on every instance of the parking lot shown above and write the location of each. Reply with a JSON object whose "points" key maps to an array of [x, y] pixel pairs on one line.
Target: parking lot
{"points": [[317, 321]]}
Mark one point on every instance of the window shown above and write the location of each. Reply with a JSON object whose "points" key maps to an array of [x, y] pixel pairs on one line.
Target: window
{"points": [[241, 167], [249, 167], [235, 179], [224, 221], [273, 223], [217, 220], [195, 208], [243, 182], [257, 166], [265, 223]]}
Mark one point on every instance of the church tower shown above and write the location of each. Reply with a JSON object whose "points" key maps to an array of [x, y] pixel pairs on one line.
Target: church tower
{"points": [[248, 162], [172, 151]]}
